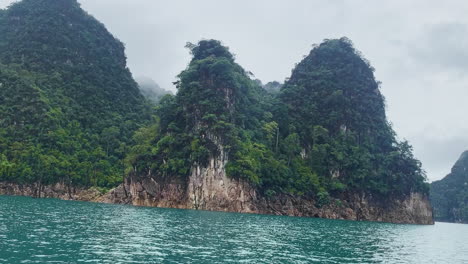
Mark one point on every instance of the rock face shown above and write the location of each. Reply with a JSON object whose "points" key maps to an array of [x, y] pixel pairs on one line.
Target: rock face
{"points": [[210, 189], [59, 190]]}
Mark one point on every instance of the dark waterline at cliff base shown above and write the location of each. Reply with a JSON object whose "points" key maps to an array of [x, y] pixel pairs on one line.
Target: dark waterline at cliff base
{"points": [[50, 230]]}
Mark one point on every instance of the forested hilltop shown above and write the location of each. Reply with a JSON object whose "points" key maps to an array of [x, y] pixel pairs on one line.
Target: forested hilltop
{"points": [[323, 134], [68, 104], [449, 196]]}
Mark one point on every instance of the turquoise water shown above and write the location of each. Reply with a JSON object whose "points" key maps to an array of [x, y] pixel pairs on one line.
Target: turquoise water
{"points": [[54, 231]]}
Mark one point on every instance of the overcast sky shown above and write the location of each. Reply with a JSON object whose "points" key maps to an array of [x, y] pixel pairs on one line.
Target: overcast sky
{"points": [[419, 49]]}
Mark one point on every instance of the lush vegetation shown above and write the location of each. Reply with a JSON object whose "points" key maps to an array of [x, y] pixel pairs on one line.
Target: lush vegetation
{"points": [[334, 106], [449, 196], [68, 104], [217, 107], [322, 134]]}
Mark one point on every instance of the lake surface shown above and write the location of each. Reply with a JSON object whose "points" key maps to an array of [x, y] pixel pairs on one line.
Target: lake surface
{"points": [[54, 231]]}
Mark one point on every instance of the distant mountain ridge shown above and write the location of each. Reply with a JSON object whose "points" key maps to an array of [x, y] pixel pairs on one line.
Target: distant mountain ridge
{"points": [[449, 196], [150, 89]]}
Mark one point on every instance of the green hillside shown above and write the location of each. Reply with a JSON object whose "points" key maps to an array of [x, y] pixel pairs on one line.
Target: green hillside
{"points": [[68, 103]]}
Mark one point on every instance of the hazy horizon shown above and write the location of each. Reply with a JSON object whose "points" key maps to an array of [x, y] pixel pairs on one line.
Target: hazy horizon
{"points": [[417, 48]]}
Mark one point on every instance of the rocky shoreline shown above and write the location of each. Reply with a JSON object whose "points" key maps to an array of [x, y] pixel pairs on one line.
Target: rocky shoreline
{"points": [[58, 191], [210, 188], [415, 209]]}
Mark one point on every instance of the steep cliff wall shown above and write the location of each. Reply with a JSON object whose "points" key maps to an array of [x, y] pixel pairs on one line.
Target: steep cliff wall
{"points": [[208, 188]]}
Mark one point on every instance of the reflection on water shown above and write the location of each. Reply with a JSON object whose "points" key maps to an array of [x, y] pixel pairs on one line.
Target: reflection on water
{"points": [[48, 230]]}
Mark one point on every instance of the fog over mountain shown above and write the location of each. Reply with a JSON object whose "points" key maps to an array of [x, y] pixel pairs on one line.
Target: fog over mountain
{"points": [[419, 50], [150, 89]]}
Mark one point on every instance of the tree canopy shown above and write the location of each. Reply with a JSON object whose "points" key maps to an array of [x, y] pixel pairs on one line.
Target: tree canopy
{"points": [[333, 102]]}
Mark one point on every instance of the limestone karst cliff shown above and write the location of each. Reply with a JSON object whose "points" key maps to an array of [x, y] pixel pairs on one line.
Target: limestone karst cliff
{"points": [[321, 147]]}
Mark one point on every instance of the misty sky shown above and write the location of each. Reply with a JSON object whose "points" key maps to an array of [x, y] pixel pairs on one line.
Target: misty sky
{"points": [[419, 49]]}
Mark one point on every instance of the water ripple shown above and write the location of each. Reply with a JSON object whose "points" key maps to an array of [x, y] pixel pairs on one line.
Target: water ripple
{"points": [[53, 231]]}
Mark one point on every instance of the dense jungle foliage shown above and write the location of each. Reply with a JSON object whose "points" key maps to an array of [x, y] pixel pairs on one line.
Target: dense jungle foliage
{"points": [[449, 196], [68, 104], [333, 105]]}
